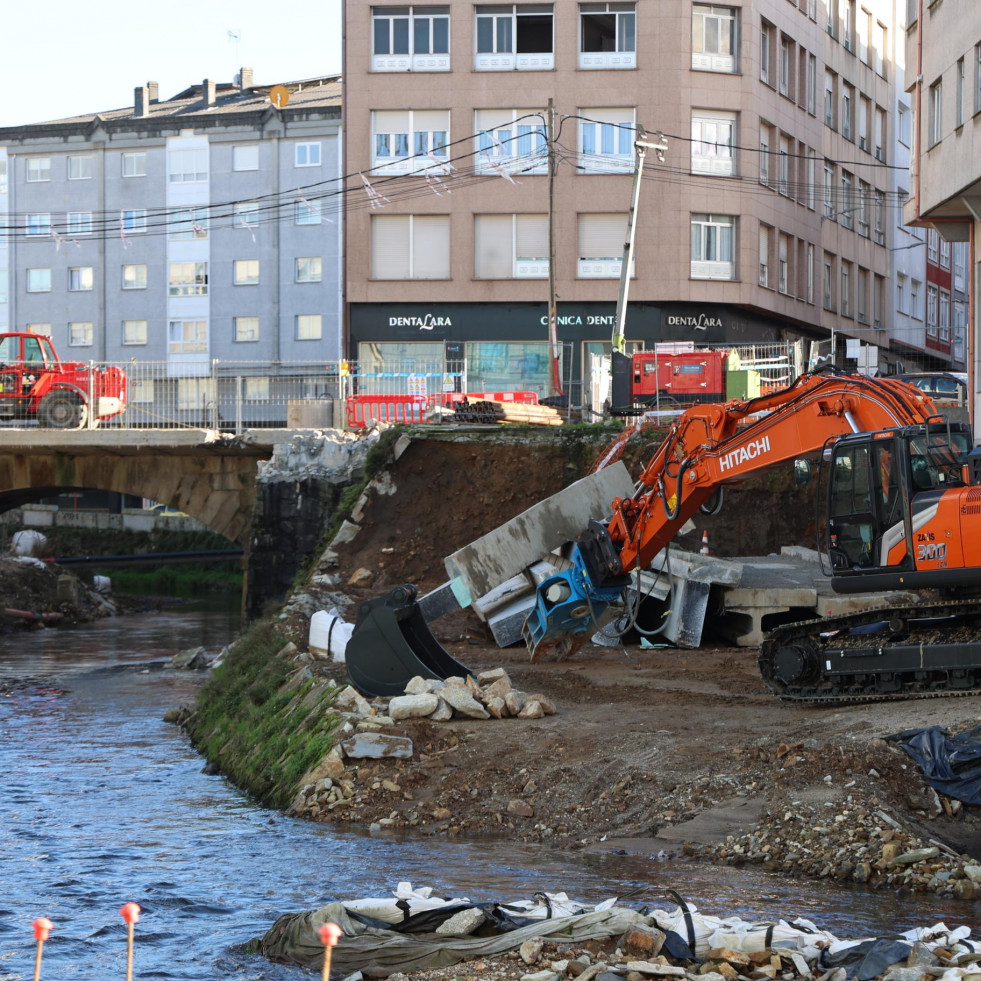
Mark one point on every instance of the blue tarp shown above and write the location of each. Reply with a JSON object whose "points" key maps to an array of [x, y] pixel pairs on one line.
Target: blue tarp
{"points": [[951, 764]]}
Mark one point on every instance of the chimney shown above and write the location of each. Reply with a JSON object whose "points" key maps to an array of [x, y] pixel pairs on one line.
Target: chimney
{"points": [[245, 79], [154, 89], [141, 101], [208, 92]]}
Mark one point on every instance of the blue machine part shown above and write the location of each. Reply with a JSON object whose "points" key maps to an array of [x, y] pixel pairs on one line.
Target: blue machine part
{"points": [[568, 606]]}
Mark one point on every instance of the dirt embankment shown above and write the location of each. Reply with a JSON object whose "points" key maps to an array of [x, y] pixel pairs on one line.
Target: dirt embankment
{"points": [[674, 750]]}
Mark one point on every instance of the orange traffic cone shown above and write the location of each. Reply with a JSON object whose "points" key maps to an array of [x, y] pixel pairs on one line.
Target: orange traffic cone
{"points": [[705, 543]]}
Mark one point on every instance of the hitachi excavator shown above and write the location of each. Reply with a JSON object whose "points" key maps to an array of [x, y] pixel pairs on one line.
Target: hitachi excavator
{"points": [[903, 511]]}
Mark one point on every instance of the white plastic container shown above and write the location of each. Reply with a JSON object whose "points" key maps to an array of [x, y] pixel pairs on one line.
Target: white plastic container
{"points": [[329, 634]]}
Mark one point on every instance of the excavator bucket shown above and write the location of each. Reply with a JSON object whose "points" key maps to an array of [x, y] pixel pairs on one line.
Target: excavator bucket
{"points": [[391, 644]]}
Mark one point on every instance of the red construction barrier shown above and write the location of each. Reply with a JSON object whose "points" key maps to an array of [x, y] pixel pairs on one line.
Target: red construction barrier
{"points": [[363, 410]]}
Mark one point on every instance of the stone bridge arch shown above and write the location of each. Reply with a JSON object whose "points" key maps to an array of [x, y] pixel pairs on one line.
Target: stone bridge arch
{"points": [[208, 475]]}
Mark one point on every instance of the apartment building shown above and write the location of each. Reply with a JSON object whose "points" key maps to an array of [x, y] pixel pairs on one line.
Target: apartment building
{"points": [[199, 227], [477, 128], [943, 52]]}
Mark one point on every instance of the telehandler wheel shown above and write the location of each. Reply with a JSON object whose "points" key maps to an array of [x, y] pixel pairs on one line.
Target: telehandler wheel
{"points": [[62, 410]]}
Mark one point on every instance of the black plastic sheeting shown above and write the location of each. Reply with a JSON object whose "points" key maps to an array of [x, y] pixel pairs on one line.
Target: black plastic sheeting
{"points": [[951, 764], [868, 959]]}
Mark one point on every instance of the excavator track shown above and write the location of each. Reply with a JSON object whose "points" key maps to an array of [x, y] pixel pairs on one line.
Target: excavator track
{"points": [[918, 651]]}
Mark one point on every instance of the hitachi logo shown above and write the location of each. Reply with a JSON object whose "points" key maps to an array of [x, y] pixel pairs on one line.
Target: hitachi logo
{"points": [[745, 453]]}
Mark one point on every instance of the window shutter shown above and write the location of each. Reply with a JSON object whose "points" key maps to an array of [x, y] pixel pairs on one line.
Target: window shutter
{"points": [[431, 247], [602, 236], [492, 247], [531, 239], [390, 247]]}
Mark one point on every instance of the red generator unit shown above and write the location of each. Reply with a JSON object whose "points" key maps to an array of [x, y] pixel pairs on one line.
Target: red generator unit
{"points": [[688, 376]]}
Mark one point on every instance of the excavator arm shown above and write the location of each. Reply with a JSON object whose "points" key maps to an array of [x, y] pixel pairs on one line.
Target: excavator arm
{"points": [[706, 448]]}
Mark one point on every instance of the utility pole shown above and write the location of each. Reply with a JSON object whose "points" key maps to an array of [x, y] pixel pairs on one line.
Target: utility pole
{"points": [[554, 375]]}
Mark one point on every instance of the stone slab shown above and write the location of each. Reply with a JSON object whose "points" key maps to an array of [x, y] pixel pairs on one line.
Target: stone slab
{"points": [[508, 550]]}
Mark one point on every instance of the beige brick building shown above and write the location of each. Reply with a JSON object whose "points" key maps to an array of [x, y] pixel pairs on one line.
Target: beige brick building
{"points": [[769, 218]]}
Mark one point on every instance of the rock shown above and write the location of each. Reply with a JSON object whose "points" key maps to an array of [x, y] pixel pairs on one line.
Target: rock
{"points": [[734, 957], [442, 813], [540, 976], [378, 746], [656, 970], [922, 956], [391, 786], [193, 658], [462, 702], [419, 686], [443, 712], [642, 940], [413, 706], [531, 950], [492, 675], [498, 689], [461, 924], [361, 577], [890, 850], [548, 706], [520, 808], [532, 709], [496, 707], [350, 700], [916, 855], [965, 889], [973, 872]]}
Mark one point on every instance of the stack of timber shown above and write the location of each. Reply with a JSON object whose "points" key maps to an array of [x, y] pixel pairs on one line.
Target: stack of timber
{"points": [[483, 411]]}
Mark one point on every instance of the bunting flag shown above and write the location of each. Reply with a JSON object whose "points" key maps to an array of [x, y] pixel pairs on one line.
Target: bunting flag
{"points": [[432, 173], [122, 234], [377, 200]]}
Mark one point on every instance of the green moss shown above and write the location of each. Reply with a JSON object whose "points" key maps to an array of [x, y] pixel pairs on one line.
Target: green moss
{"points": [[256, 722]]}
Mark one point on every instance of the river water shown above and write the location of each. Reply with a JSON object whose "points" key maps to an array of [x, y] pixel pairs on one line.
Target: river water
{"points": [[103, 803]]}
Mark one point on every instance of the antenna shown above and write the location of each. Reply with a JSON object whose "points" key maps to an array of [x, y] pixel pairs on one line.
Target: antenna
{"points": [[235, 36]]}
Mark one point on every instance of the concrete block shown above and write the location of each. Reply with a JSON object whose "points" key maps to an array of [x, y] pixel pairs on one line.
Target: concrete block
{"points": [[533, 534], [506, 622], [438, 602]]}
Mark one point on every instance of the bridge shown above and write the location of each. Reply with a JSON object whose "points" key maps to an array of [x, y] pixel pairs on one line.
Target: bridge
{"points": [[207, 474]]}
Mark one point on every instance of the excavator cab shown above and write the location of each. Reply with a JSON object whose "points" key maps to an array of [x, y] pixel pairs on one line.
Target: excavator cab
{"points": [[883, 491]]}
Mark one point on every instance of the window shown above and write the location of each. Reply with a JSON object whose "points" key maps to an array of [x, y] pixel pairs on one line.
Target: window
{"points": [[256, 388], [713, 246], [848, 32], [307, 269], [133, 163], [43, 329], [410, 247], [786, 66], [810, 274], [511, 246], [80, 167], [864, 35], [764, 153], [944, 254], [80, 333], [3, 175], [79, 223], [39, 224], [308, 327], [811, 179], [187, 166], [765, 234], [245, 329], [187, 337], [901, 293], [829, 281], [409, 141], [306, 155], [410, 39], [245, 157], [914, 299], [811, 84], [784, 178], [931, 315], [133, 221], [847, 102], [80, 278], [306, 213], [766, 43], [245, 272], [880, 49], [832, 25], [864, 107], [944, 315], [511, 141], [134, 277], [879, 135], [961, 84], [864, 193], [862, 304], [187, 224], [830, 84], [512, 36], [977, 78], [607, 35], [38, 169], [714, 38], [38, 280], [134, 332], [847, 205], [601, 238], [606, 140], [195, 393], [713, 136], [188, 279], [246, 214], [933, 246], [829, 190], [846, 289], [934, 113], [783, 264]]}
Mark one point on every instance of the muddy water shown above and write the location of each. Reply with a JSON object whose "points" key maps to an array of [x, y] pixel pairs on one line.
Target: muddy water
{"points": [[103, 803]]}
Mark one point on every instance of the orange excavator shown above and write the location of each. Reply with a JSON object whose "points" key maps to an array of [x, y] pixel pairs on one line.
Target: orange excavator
{"points": [[903, 512]]}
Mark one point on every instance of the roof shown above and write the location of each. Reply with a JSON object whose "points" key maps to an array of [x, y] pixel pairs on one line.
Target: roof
{"points": [[305, 94]]}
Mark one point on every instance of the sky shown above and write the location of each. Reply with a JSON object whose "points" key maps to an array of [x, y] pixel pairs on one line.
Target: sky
{"points": [[68, 57]]}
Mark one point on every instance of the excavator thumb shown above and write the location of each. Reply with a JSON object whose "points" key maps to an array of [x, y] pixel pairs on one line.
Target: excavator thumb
{"points": [[391, 643]]}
